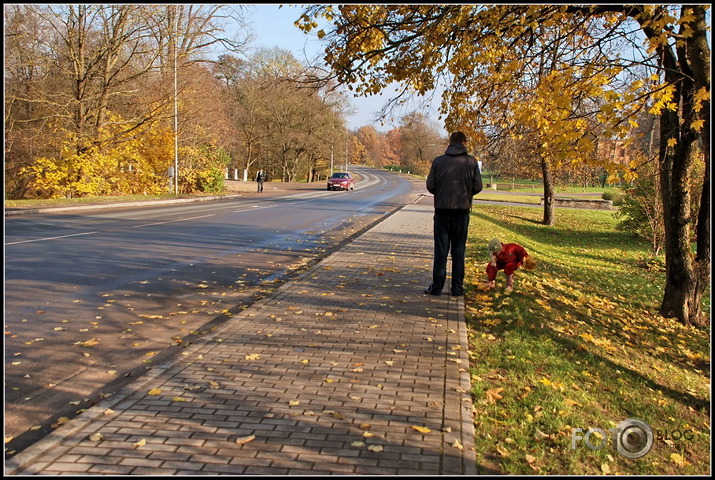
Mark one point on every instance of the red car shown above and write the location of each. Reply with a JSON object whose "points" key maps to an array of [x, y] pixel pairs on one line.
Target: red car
{"points": [[341, 181]]}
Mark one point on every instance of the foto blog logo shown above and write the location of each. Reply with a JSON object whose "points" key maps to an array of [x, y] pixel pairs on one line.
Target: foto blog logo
{"points": [[632, 438]]}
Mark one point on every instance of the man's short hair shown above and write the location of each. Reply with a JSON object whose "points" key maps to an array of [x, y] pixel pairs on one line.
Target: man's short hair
{"points": [[457, 137]]}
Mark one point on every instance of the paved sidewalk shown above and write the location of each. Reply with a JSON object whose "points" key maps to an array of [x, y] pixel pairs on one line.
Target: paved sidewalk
{"points": [[335, 373]]}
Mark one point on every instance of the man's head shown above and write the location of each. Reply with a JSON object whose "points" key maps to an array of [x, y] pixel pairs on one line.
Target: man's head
{"points": [[457, 138]]}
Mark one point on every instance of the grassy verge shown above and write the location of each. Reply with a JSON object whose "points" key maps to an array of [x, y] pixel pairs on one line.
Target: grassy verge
{"points": [[579, 344], [65, 202]]}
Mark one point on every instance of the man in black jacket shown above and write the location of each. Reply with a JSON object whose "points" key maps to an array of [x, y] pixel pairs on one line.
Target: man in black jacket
{"points": [[454, 179]]}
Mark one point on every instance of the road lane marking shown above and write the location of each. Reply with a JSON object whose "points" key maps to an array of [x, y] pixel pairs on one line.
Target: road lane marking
{"points": [[50, 238], [174, 221]]}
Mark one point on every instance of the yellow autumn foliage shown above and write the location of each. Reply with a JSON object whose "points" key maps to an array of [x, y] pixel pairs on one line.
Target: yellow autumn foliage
{"points": [[111, 164]]}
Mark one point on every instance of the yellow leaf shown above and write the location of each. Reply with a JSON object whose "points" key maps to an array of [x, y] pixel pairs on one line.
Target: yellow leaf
{"points": [[678, 459], [60, 421], [421, 429], [672, 142], [243, 440], [493, 394], [605, 468], [140, 443], [252, 356], [178, 399], [154, 391], [96, 437], [530, 458], [293, 403], [457, 445], [357, 443], [375, 448], [697, 125], [571, 403]]}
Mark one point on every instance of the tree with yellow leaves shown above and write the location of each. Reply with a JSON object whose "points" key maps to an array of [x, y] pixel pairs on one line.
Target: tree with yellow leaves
{"points": [[559, 76]]}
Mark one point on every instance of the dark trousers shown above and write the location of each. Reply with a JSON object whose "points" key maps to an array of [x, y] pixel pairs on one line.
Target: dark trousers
{"points": [[450, 237]]}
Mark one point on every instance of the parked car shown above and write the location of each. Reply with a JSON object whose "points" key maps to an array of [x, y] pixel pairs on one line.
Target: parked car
{"points": [[341, 181]]}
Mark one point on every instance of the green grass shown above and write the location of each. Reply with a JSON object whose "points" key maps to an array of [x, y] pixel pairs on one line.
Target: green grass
{"points": [[579, 344], [505, 197]]}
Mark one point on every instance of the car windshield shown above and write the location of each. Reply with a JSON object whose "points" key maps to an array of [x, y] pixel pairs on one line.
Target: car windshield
{"points": [[340, 175]]}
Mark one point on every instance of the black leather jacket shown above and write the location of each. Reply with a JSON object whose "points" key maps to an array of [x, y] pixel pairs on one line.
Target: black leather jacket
{"points": [[454, 179]]}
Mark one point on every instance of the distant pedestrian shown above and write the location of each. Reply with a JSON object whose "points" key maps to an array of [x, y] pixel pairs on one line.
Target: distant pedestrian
{"points": [[260, 178], [454, 178], [508, 257]]}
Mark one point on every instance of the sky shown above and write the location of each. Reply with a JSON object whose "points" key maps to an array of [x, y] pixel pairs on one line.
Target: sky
{"points": [[272, 26]]}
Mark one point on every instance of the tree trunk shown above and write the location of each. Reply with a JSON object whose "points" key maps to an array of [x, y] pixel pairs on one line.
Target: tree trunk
{"points": [[684, 286], [699, 51], [549, 217]]}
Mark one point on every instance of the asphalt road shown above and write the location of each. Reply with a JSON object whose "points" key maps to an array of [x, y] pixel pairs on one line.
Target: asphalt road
{"points": [[94, 299]]}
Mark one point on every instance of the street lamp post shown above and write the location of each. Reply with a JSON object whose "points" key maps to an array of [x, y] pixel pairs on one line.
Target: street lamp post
{"points": [[176, 105], [332, 147], [347, 139]]}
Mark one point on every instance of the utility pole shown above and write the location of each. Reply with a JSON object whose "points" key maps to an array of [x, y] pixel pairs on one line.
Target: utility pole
{"points": [[176, 103], [332, 147], [347, 139]]}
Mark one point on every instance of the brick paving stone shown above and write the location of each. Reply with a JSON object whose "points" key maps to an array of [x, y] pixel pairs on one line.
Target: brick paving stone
{"points": [[328, 375]]}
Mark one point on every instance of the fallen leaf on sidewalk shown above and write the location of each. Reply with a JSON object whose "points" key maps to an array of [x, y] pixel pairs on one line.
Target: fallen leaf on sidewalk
{"points": [[140, 443], [244, 440], [421, 429], [96, 437], [60, 421], [154, 391]]}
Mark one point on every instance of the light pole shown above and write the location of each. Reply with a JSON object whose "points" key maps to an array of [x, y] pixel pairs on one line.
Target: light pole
{"points": [[176, 104], [347, 139], [332, 147]]}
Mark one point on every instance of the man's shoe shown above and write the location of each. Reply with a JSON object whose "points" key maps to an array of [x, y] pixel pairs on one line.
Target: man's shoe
{"points": [[429, 291], [457, 293]]}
